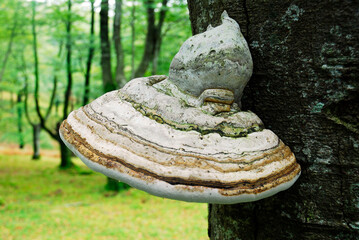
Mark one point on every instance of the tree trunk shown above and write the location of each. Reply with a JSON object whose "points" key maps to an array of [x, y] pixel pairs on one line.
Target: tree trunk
{"points": [[150, 39], [90, 57], [68, 61], [19, 119], [304, 88], [117, 22], [108, 84], [36, 129], [54, 133], [65, 152], [133, 33], [158, 37], [65, 156], [36, 59]]}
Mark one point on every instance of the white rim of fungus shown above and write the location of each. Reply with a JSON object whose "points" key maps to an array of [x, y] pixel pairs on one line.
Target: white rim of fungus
{"points": [[163, 189]]}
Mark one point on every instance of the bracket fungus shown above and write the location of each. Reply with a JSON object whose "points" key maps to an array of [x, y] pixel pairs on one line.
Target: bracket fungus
{"points": [[184, 136]]}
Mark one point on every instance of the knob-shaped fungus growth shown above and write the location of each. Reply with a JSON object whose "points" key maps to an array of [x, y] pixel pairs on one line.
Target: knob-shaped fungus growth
{"points": [[184, 137]]}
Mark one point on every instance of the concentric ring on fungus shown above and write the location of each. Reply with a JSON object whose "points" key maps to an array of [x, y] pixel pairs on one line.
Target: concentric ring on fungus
{"points": [[164, 136]]}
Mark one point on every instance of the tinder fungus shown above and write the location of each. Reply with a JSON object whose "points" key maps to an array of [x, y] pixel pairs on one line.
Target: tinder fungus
{"points": [[184, 136]]}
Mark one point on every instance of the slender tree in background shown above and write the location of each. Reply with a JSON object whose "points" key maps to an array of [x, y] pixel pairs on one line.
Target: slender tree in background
{"points": [[304, 87], [36, 127], [117, 22], [133, 35], [89, 56], [19, 108], [65, 152], [158, 36], [150, 39], [54, 133], [153, 35], [107, 82]]}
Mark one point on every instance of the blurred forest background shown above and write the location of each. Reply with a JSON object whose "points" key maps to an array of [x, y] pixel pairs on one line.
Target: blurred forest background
{"points": [[56, 56], [53, 54]]}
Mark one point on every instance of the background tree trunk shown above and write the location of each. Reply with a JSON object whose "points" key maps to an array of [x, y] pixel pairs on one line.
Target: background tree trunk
{"points": [[117, 22], [153, 37], [68, 62], [19, 108], [133, 33], [304, 88], [105, 49], [107, 81], [158, 37], [54, 133], [89, 57], [150, 39], [65, 152], [36, 129]]}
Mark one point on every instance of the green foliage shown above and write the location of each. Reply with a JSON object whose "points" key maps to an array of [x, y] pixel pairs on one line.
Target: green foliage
{"points": [[36, 200], [40, 202], [51, 35]]}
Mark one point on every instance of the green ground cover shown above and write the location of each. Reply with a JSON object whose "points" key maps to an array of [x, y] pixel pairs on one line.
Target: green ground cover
{"points": [[38, 201]]}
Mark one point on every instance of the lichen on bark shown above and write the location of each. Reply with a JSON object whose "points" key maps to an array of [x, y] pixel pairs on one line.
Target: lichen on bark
{"points": [[305, 89]]}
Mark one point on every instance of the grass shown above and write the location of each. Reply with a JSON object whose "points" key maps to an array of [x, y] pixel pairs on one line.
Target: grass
{"points": [[38, 201]]}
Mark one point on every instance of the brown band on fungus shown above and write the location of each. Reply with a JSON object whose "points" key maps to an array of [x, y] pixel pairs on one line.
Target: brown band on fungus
{"points": [[106, 123], [254, 186], [286, 177], [256, 161]]}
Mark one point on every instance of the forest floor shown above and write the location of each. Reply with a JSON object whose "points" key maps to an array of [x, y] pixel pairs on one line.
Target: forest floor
{"points": [[39, 201]]}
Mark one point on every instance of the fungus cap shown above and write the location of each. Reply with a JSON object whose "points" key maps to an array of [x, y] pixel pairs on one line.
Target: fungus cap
{"points": [[185, 144]]}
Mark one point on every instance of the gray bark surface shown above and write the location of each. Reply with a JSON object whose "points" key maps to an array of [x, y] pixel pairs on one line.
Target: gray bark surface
{"points": [[305, 88]]}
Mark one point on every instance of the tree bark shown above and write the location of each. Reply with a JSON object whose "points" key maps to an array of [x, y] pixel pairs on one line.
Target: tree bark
{"points": [[117, 22], [89, 57], [107, 81], [304, 88]]}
